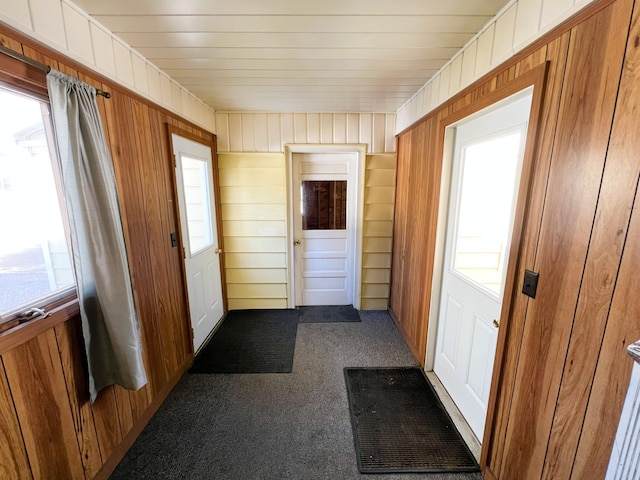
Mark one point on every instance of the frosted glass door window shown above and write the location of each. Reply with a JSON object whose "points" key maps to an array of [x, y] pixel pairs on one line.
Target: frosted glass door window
{"points": [[195, 178], [488, 179]]}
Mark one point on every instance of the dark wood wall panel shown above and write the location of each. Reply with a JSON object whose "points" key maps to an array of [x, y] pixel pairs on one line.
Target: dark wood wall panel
{"points": [[13, 456], [500, 400], [561, 369], [48, 427], [582, 136]]}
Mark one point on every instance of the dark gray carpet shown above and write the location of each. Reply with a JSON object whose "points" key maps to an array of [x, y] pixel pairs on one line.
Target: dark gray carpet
{"points": [[338, 313], [272, 426], [251, 341], [399, 425]]}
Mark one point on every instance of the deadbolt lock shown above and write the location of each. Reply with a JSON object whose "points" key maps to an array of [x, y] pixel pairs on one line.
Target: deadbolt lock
{"points": [[496, 323]]}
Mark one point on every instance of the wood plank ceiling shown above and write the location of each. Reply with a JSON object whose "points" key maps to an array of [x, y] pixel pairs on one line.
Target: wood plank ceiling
{"points": [[297, 55]]}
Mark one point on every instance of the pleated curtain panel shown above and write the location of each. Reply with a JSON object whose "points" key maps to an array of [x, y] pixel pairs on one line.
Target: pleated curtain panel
{"points": [[110, 326]]}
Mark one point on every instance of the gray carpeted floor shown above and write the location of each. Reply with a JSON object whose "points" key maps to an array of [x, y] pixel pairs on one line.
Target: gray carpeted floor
{"points": [[272, 426]]}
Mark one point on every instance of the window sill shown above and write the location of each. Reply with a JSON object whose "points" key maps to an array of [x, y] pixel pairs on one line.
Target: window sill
{"points": [[59, 313]]}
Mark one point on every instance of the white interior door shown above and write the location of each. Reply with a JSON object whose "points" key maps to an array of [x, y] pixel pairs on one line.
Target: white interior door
{"points": [[196, 200], [486, 169], [324, 210]]}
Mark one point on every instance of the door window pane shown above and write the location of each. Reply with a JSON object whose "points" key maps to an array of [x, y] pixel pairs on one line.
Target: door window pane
{"points": [[195, 178], [34, 257], [324, 205], [484, 213]]}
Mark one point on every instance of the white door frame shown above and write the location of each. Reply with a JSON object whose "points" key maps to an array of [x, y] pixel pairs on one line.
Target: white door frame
{"points": [[441, 228], [361, 151]]}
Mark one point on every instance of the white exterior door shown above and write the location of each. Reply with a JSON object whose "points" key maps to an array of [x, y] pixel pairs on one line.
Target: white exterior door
{"points": [[196, 200], [487, 162], [324, 210]]}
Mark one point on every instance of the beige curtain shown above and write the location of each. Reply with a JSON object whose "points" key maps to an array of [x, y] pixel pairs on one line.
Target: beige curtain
{"points": [[109, 321]]}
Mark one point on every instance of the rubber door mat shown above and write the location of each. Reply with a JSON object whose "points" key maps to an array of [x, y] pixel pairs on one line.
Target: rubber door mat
{"points": [[400, 426], [329, 314], [251, 341]]}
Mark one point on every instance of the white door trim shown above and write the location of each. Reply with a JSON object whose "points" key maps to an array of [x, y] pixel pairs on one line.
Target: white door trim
{"points": [[361, 151], [441, 228]]}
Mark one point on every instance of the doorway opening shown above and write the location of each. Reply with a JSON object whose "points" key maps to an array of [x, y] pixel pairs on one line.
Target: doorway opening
{"points": [[325, 205], [481, 177]]}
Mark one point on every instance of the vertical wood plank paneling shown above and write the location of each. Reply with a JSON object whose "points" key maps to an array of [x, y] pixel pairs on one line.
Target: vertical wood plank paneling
{"points": [[248, 132], [43, 408], [398, 275], [556, 55], [261, 132], [353, 127], [390, 128], [617, 193], [74, 375], [176, 339], [366, 125], [153, 303], [235, 132], [286, 127], [614, 365], [339, 128], [13, 456], [313, 127], [572, 192], [378, 133], [275, 135], [326, 128], [222, 131], [300, 128]]}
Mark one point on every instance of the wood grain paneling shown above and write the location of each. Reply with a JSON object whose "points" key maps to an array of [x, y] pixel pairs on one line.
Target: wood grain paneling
{"points": [[13, 456], [572, 192], [561, 371], [78, 392], [617, 193], [48, 426], [502, 387], [43, 408]]}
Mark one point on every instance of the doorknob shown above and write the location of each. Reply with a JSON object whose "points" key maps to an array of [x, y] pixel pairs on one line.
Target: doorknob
{"points": [[496, 323], [297, 242], [218, 251]]}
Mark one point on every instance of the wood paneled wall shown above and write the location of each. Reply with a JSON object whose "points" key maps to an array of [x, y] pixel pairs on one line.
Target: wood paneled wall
{"points": [[561, 370], [48, 428]]}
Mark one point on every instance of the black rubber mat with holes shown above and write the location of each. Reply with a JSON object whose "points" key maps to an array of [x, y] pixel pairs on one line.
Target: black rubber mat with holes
{"points": [[329, 314], [251, 341], [400, 426]]}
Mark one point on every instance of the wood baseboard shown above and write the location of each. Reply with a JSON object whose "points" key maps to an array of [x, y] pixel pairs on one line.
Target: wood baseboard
{"points": [[119, 452]]}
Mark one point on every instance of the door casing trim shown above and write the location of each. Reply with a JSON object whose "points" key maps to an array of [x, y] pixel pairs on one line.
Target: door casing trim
{"points": [[361, 151]]}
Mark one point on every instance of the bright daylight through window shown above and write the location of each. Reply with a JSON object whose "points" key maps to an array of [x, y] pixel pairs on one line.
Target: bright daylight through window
{"points": [[34, 257]]}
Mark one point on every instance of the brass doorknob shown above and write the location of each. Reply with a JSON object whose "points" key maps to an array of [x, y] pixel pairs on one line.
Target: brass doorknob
{"points": [[297, 242], [496, 323], [218, 251]]}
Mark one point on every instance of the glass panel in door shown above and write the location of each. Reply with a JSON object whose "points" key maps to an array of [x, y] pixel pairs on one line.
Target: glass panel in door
{"points": [[488, 176], [195, 177]]}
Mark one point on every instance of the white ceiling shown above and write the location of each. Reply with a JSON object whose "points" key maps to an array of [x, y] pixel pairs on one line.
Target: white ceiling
{"points": [[297, 55]]}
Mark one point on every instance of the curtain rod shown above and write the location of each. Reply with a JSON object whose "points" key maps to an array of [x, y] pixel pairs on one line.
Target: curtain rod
{"points": [[40, 66]]}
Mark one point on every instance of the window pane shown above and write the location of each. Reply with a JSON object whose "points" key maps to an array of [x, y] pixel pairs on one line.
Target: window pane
{"points": [[34, 259], [484, 216], [195, 177], [324, 205]]}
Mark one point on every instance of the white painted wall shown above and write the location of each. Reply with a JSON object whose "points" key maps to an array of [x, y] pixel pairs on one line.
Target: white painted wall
{"points": [[269, 132], [516, 26], [61, 25]]}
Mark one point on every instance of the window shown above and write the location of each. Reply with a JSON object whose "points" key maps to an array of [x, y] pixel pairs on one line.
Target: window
{"points": [[324, 204], [35, 267]]}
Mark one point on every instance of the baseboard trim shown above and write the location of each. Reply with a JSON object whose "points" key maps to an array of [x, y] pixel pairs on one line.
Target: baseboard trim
{"points": [[123, 447]]}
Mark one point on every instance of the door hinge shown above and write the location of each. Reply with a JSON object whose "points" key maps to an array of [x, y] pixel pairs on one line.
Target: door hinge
{"points": [[184, 252]]}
